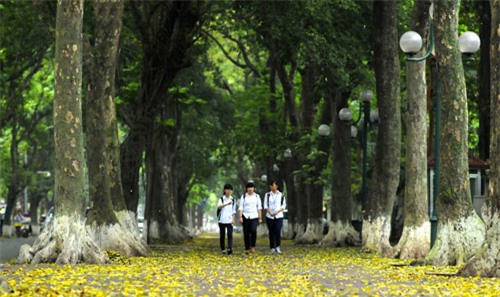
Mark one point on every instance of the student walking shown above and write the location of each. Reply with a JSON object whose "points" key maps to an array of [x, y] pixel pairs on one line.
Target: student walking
{"points": [[250, 208], [274, 205], [226, 211]]}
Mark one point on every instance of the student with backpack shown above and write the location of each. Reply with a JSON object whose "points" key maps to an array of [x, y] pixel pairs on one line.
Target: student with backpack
{"points": [[274, 205], [226, 211], [250, 217]]}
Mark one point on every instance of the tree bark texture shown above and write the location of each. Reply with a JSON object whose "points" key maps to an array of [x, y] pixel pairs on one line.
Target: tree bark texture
{"points": [[108, 220], [314, 189], [486, 262], [415, 240], [340, 231], [167, 35], [162, 192], [484, 100], [385, 179], [66, 241], [460, 230]]}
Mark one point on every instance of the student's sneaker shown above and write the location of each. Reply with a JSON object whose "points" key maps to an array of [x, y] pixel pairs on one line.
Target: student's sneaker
{"points": [[229, 251], [247, 252], [252, 251], [224, 252], [273, 251], [278, 250]]}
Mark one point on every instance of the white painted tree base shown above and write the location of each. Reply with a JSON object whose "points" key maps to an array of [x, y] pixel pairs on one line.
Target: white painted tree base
{"points": [[415, 242], [375, 236], [300, 229], [64, 241], [313, 234], [457, 241], [170, 233], [486, 262], [123, 237], [341, 234]]}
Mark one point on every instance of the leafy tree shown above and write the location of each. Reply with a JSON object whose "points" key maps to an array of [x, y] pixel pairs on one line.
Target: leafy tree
{"points": [[24, 96], [167, 32]]}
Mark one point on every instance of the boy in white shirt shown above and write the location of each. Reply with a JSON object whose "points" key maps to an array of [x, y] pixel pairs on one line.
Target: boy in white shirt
{"points": [[226, 209]]}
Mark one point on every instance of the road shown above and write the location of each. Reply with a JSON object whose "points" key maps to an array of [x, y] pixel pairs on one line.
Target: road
{"points": [[9, 247]]}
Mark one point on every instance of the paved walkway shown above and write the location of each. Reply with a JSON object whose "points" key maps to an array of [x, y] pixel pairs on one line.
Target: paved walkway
{"points": [[9, 247]]}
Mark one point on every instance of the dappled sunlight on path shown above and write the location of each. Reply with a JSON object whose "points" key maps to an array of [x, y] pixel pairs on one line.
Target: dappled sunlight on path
{"points": [[197, 268]]}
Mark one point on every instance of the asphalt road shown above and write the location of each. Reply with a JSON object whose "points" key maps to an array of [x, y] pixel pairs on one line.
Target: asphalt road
{"points": [[9, 247]]}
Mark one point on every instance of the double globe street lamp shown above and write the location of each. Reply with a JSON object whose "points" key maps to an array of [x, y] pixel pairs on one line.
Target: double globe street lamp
{"points": [[411, 43], [345, 115]]}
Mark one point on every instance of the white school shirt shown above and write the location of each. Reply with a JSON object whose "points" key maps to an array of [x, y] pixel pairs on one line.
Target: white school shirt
{"points": [[274, 204], [226, 213], [250, 204]]}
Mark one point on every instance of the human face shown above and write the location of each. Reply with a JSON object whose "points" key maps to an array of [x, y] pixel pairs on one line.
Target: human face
{"points": [[274, 187], [228, 192], [250, 190]]}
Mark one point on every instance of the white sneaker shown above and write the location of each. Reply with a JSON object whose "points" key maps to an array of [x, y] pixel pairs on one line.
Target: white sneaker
{"points": [[278, 250], [273, 251]]}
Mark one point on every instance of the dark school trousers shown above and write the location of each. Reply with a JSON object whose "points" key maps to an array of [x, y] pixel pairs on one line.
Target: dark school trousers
{"points": [[250, 232], [274, 226], [222, 236]]}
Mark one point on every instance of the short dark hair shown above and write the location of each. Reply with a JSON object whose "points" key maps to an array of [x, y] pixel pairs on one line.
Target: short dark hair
{"points": [[228, 187], [272, 182], [250, 184]]}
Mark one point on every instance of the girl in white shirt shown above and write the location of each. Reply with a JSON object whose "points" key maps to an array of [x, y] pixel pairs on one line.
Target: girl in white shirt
{"points": [[227, 211], [250, 217], [274, 205]]}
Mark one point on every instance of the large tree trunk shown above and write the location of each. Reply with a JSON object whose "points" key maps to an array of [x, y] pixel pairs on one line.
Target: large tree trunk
{"points": [[340, 231], [460, 230], [314, 190], [415, 239], [66, 240], [166, 42], [382, 191], [297, 223], [111, 230], [162, 191], [486, 261]]}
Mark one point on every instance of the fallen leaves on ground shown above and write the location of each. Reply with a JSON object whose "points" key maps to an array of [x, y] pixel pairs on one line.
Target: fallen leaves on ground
{"points": [[198, 269]]}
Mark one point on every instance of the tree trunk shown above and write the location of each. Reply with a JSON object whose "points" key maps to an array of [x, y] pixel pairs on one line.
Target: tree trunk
{"points": [[162, 183], [112, 226], [340, 231], [484, 100], [385, 179], [66, 240], [415, 239], [460, 230], [166, 42], [313, 187], [485, 262]]}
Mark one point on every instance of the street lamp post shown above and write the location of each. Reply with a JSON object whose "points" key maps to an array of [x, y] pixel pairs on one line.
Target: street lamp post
{"points": [[411, 43], [345, 115], [366, 97]]}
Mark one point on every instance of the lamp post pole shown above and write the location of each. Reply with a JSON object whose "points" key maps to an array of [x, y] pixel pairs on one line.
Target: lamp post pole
{"points": [[366, 97], [345, 115], [411, 43]]}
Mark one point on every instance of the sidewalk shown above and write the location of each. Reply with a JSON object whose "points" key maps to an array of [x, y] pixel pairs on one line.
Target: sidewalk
{"points": [[9, 247], [197, 268]]}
